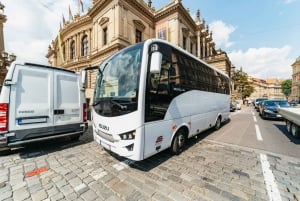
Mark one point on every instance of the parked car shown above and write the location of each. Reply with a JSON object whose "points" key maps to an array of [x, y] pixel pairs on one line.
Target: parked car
{"points": [[238, 104], [269, 108], [232, 107], [257, 102], [294, 103]]}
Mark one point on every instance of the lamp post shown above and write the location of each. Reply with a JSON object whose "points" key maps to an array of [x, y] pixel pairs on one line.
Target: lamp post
{"points": [[232, 73]]}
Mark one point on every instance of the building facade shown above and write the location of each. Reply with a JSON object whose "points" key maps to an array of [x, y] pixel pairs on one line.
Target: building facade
{"points": [[269, 88], [295, 94], [110, 25]]}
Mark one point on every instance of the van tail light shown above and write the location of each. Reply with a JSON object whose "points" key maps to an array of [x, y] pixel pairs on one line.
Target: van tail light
{"points": [[4, 117], [84, 112]]}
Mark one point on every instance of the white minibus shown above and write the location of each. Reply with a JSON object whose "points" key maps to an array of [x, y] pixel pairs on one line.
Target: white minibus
{"points": [[153, 96]]}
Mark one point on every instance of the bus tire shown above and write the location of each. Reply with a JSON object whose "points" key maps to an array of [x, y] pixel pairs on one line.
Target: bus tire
{"points": [[218, 123], [178, 142], [295, 130], [288, 126]]}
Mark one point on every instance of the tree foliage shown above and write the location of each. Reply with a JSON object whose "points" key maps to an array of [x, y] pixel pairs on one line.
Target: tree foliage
{"points": [[286, 87], [241, 83]]}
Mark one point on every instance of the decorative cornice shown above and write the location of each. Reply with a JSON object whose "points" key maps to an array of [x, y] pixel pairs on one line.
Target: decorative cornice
{"points": [[98, 6], [173, 8], [139, 24], [103, 21], [73, 26]]}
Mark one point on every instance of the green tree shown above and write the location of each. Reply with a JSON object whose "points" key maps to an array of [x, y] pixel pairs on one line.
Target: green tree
{"points": [[286, 87], [241, 84]]}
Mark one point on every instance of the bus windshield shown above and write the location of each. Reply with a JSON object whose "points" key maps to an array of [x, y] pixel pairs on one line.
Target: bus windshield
{"points": [[117, 83]]}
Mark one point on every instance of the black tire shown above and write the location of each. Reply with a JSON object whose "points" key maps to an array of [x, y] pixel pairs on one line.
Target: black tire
{"points": [[178, 142], [218, 124], [295, 130], [288, 125]]}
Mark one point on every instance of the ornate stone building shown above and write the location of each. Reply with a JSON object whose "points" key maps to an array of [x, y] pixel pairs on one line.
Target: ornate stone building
{"points": [[110, 25], [269, 88], [295, 95]]}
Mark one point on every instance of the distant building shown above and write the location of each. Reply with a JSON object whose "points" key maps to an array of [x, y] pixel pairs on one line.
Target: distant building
{"points": [[295, 94], [110, 25], [269, 88]]}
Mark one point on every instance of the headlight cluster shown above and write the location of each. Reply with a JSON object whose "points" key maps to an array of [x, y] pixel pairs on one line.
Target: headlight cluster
{"points": [[268, 111], [128, 136]]}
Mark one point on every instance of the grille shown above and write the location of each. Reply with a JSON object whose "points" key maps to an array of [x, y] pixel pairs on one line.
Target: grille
{"points": [[106, 136]]}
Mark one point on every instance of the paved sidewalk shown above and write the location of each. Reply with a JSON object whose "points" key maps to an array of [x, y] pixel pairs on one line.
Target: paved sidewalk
{"points": [[206, 170]]}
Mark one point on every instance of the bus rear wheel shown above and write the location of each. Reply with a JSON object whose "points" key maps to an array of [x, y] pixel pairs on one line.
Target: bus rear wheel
{"points": [[178, 142], [288, 126], [218, 124]]}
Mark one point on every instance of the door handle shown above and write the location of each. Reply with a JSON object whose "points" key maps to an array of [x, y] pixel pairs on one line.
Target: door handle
{"points": [[59, 111]]}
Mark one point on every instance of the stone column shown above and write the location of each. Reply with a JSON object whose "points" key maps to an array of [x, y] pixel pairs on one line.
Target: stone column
{"points": [[198, 44], [204, 48]]}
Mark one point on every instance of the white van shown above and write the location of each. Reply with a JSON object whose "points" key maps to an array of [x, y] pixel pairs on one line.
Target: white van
{"points": [[41, 102]]}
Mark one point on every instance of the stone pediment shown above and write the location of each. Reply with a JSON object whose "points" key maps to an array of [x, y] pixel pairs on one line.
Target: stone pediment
{"points": [[103, 21], [139, 24]]}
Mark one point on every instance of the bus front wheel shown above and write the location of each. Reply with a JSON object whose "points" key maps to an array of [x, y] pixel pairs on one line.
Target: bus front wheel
{"points": [[178, 142]]}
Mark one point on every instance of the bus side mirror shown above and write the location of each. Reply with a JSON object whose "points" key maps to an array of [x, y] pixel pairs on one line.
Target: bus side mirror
{"points": [[84, 74], [156, 60]]}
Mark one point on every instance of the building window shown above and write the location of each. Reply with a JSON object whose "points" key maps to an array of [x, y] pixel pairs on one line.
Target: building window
{"points": [[184, 42], [64, 52], [84, 46], [72, 50], [162, 34], [191, 46], [105, 36], [138, 36]]}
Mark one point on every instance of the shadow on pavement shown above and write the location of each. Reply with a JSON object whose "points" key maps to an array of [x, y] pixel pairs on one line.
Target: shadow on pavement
{"points": [[159, 158], [49, 146], [282, 128]]}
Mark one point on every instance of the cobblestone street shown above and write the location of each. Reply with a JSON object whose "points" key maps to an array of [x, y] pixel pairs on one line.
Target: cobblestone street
{"points": [[83, 170]]}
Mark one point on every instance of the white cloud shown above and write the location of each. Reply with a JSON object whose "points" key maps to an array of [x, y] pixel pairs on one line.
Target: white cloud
{"points": [[264, 62], [32, 25], [221, 33]]}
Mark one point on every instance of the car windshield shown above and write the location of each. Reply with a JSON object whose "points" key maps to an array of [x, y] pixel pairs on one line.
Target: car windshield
{"points": [[116, 86], [277, 103]]}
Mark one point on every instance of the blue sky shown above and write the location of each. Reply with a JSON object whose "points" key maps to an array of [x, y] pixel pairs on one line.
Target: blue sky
{"points": [[261, 36]]}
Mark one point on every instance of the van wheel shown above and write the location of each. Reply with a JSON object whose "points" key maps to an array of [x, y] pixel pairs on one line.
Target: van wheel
{"points": [[218, 124], [178, 142], [288, 126], [295, 130]]}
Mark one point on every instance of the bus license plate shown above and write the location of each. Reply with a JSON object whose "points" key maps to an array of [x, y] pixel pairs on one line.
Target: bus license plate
{"points": [[103, 144]]}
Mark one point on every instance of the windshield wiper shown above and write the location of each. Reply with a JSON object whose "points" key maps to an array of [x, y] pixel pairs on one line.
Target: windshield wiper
{"points": [[123, 107]]}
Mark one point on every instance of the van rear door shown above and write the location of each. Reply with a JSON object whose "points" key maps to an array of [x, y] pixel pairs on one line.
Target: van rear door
{"points": [[31, 102], [67, 108]]}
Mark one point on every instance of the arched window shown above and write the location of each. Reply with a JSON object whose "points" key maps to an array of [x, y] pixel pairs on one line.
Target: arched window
{"points": [[84, 46], [72, 50]]}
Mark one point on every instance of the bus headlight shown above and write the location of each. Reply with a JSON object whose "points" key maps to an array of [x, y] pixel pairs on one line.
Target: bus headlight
{"points": [[128, 136]]}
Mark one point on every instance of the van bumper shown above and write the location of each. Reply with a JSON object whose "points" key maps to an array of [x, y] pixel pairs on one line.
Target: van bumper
{"points": [[3, 143]]}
